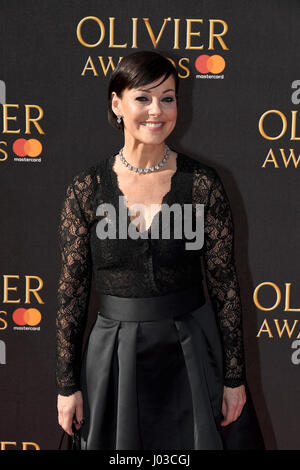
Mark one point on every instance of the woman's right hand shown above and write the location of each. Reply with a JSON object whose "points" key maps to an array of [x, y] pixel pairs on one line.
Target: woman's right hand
{"points": [[70, 409]]}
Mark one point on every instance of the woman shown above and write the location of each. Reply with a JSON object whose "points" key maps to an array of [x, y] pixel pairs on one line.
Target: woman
{"points": [[163, 368]]}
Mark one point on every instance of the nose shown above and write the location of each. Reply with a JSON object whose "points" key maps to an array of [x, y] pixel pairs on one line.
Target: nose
{"points": [[155, 108]]}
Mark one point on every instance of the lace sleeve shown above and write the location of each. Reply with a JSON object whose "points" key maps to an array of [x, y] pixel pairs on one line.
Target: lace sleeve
{"points": [[222, 281], [73, 289]]}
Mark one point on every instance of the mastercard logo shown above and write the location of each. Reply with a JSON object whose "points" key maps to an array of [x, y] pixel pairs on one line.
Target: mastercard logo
{"points": [[27, 147], [210, 63], [27, 316]]}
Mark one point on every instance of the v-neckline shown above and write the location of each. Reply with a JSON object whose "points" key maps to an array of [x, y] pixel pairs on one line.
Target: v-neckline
{"points": [[117, 191]]}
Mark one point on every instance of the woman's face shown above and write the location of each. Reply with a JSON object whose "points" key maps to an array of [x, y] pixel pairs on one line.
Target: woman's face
{"points": [[149, 114]]}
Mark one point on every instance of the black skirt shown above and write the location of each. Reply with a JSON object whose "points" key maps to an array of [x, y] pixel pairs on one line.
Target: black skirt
{"points": [[152, 377]]}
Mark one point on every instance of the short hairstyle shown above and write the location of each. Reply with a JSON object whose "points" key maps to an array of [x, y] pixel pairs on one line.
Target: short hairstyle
{"points": [[135, 70]]}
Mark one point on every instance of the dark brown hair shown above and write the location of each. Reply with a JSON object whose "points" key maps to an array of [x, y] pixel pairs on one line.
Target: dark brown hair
{"points": [[135, 70]]}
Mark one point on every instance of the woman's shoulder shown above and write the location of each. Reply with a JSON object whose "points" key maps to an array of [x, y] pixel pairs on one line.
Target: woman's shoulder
{"points": [[90, 177], [84, 185], [197, 168]]}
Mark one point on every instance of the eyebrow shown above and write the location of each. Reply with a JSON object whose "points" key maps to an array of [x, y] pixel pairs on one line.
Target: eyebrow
{"points": [[149, 90]]}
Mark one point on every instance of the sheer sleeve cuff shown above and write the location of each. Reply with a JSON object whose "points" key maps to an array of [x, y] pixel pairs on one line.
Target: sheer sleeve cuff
{"points": [[67, 390], [233, 383]]}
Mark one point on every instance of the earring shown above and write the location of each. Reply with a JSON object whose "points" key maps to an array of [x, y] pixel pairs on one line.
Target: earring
{"points": [[119, 119]]}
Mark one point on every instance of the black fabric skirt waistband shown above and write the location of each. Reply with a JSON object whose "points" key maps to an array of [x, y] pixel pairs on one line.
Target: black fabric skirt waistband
{"points": [[155, 308]]}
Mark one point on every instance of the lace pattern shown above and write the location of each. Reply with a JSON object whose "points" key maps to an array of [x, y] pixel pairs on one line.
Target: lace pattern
{"points": [[221, 276], [73, 286], [139, 268]]}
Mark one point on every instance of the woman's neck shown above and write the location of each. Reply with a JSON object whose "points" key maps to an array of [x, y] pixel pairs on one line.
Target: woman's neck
{"points": [[144, 155]]}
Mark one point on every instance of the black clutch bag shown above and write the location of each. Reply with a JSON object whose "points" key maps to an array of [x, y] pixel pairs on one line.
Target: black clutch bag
{"points": [[245, 432], [73, 442]]}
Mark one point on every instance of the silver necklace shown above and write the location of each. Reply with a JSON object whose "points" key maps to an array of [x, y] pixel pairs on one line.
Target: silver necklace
{"points": [[145, 170]]}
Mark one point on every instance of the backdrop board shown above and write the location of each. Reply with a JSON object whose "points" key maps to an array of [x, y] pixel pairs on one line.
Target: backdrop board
{"points": [[238, 63]]}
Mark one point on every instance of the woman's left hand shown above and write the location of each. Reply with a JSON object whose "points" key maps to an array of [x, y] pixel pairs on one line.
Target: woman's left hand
{"points": [[234, 400]]}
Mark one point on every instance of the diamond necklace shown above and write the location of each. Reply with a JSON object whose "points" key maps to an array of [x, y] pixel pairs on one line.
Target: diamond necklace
{"points": [[144, 170]]}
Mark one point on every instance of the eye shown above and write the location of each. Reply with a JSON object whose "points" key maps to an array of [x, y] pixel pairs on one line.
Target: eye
{"points": [[169, 99]]}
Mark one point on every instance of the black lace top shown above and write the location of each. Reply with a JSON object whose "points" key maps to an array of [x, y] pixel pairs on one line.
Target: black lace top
{"points": [[145, 266]]}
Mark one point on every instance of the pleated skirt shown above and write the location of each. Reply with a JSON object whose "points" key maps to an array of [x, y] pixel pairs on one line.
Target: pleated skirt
{"points": [[152, 375]]}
